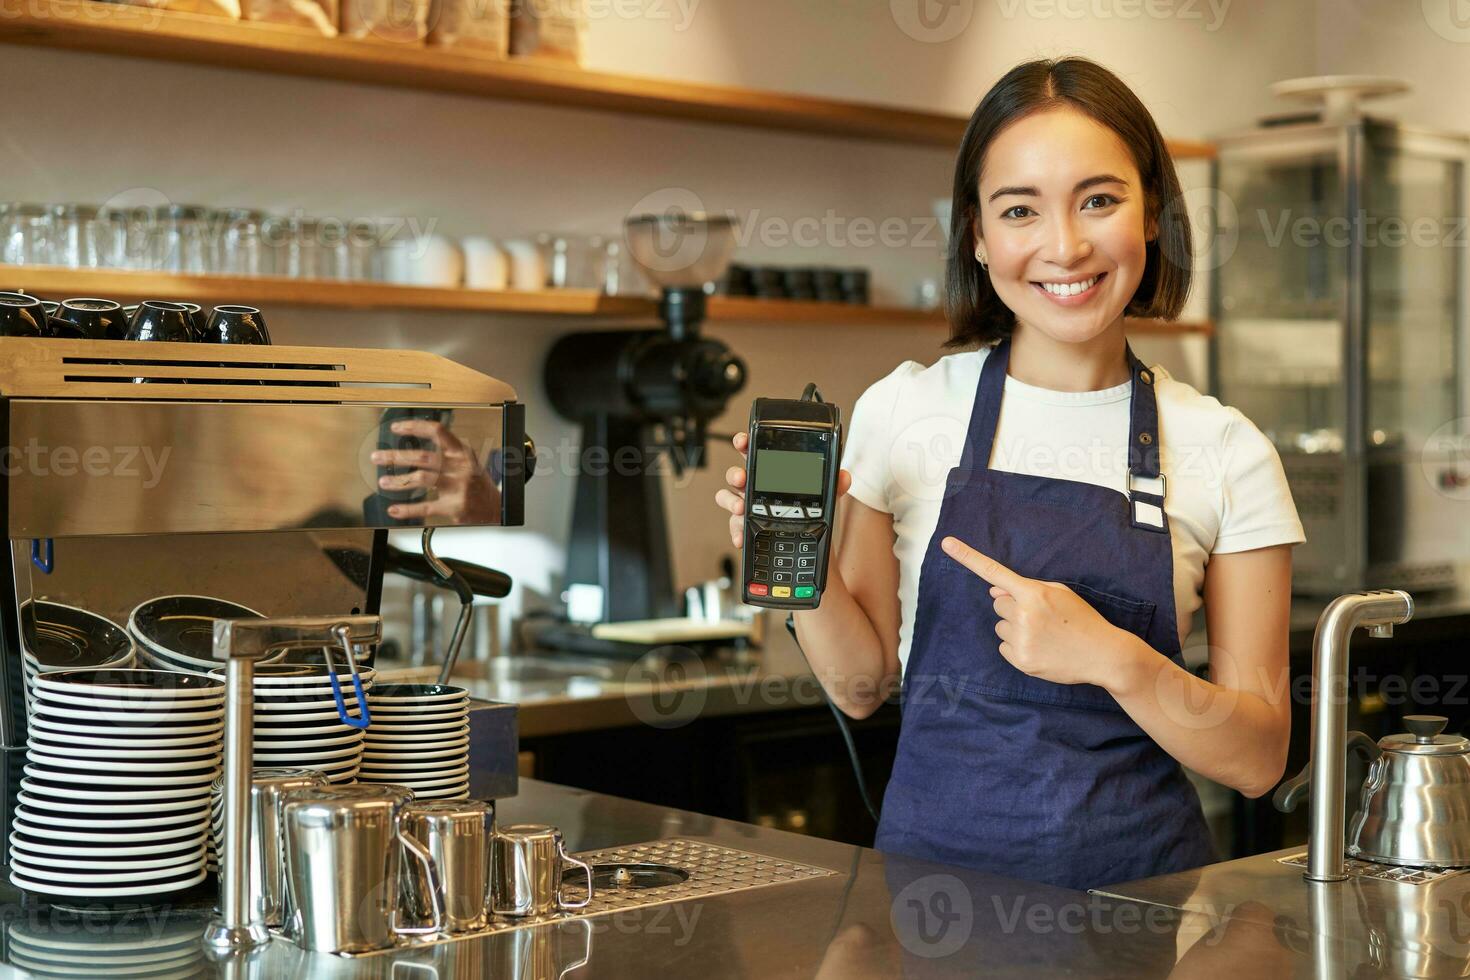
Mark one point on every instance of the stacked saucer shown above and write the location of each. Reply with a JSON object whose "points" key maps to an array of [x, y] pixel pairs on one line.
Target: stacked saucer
{"points": [[419, 738], [158, 950], [297, 724], [296, 719], [60, 637], [176, 632], [114, 804]]}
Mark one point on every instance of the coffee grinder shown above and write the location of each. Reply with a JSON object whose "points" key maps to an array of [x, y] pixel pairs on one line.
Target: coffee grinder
{"points": [[644, 399]]}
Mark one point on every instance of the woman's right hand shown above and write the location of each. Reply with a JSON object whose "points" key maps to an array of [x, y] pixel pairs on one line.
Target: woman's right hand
{"points": [[733, 499]]}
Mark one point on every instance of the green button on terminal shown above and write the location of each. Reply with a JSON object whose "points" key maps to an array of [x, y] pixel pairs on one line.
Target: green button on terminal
{"points": [[805, 591]]}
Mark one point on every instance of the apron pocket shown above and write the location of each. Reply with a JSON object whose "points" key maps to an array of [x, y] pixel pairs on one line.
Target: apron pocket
{"points": [[1133, 615]]}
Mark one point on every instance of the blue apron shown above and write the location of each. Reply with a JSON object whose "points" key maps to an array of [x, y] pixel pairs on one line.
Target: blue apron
{"points": [[1008, 773]]}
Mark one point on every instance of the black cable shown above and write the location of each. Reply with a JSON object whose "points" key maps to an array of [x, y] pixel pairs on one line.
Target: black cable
{"points": [[810, 394], [842, 726]]}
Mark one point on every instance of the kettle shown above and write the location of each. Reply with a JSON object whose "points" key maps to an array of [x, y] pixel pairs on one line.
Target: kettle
{"points": [[1415, 807], [1414, 810]]}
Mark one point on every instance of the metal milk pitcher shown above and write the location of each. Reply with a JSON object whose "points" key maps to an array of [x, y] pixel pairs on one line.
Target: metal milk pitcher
{"points": [[267, 872], [457, 834], [344, 864], [526, 871]]}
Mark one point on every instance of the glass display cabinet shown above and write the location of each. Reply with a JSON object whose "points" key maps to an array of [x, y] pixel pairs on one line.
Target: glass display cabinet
{"points": [[1340, 308]]}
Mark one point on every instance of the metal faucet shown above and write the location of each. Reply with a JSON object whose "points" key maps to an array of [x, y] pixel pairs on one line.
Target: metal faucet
{"points": [[239, 643], [1378, 613]]}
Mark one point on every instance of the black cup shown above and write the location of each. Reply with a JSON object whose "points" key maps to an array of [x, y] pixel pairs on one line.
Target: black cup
{"points": [[236, 325], [198, 319], [96, 319], [855, 285], [159, 320], [64, 330], [22, 316]]}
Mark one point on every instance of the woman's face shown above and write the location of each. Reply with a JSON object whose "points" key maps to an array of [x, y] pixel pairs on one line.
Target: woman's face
{"points": [[1062, 223]]}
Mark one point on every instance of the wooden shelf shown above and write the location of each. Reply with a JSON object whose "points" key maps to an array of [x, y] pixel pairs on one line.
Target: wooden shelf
{"points": [[143, 32], [50, 282], [748, 309]]}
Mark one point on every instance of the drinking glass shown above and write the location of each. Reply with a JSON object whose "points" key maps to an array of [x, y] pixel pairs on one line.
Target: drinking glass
{"points": [[83, 237], [178, 239], [241, 246], [28, 232]]}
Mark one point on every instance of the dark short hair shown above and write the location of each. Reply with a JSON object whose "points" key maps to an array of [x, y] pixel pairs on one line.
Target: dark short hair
{"points": [[975, 313]]}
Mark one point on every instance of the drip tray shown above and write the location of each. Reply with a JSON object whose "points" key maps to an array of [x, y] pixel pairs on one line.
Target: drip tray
{"points": [[625, 876], [709, 869], [1356, 868], [657, 873]]}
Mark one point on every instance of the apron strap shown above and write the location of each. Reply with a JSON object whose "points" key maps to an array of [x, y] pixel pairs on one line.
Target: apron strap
{"points": [[985, 415], [1146, 483]]}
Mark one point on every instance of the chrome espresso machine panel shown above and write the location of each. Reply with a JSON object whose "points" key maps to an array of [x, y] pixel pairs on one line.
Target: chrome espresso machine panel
{"points": [[132, 471]]}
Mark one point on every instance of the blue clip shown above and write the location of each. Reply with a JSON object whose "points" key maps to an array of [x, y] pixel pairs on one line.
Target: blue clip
{"points": [[347, 719], [47, 563], [366, 717]]}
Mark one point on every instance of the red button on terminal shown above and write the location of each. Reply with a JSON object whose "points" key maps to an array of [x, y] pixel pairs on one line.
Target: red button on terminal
{"points": [[758, 588]]}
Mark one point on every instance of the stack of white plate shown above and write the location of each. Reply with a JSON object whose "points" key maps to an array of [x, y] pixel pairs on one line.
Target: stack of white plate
{"points": [[114, 804], [297, 724], [60, 637], [105, 948], [419, 738], [176, 632]]}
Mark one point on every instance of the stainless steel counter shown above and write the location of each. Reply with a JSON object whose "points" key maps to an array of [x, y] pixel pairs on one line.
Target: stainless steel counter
{"points": [[1365, 926], [877, 916]]}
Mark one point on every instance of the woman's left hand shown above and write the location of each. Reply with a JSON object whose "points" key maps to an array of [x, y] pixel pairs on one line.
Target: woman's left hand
{"points": [[1045, 629]]}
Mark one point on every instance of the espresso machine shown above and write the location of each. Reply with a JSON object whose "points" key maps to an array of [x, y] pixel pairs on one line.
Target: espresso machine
{"points": [[133, 471], [644, 399]]}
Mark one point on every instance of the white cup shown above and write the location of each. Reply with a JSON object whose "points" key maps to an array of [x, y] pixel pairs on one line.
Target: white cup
{"points": [[527, 265], [429, 260], [485, 265]]}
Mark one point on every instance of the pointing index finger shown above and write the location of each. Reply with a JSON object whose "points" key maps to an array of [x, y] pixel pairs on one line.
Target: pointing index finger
{"points": [[983, 565]]}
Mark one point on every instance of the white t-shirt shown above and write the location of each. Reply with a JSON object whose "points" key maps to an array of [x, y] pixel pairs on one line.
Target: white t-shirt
{"points": [[1226, 488]]}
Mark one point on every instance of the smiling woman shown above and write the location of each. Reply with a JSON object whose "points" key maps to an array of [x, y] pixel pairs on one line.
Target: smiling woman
{"points": [[1029, 526]]}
